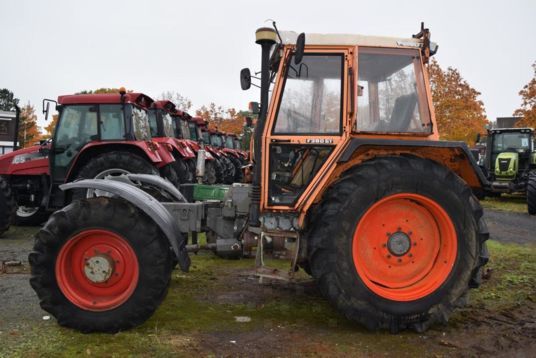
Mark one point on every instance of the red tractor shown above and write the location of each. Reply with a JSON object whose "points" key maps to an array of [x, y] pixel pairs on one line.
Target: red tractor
{"points": [[163, 131], [97, 135], [215, 141], [189, 133], [228, 147]]}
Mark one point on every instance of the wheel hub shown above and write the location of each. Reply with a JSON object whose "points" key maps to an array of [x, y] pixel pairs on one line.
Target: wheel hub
{"points": [[398, 243], [99, 268]]}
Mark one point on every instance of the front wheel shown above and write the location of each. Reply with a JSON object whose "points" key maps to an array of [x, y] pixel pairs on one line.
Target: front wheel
{"points": [[100, 265], [7, 206], [397, 242], [30, 216], [531, 193]]}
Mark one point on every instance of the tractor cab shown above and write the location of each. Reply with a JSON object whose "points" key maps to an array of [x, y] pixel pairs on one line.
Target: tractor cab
{"points": [[181, 125], [160, 120]]}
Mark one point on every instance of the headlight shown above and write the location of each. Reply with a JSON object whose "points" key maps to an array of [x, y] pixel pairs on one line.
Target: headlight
{"points": [[21, 158]]}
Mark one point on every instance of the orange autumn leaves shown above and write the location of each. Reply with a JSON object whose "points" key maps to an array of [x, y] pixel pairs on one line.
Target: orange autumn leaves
{"points": [[528, 103], [460, 114]]}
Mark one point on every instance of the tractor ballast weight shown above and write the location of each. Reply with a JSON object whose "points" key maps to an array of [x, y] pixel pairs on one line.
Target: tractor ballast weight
{"points": [[381, 213]]}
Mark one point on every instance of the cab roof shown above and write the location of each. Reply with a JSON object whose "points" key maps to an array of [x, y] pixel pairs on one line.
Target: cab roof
{"points": [[522, 130], [290, 37], [106, 98]]}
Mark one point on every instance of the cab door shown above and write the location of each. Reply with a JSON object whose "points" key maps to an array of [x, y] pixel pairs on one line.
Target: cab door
{"points": [[306, 125]]}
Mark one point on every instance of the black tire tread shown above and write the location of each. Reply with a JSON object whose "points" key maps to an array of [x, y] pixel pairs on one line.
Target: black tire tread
{"points": [[7, 206], [151, 247], [325, 220]]}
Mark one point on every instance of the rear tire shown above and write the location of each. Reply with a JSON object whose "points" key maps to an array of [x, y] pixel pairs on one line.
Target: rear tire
{"points": [[210, 176], [531, 193], [168, 172], [181, 168], [7, 206], [239, 174], [115, 161], [141, 265], [373, 283]]}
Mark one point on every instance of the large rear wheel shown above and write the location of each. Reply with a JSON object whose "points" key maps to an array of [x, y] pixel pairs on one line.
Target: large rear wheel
{"points": [[100, 265], [397, 242], [112, 164]]}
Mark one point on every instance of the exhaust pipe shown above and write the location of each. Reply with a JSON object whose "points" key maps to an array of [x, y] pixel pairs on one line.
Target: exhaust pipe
{"points": [[266, 37]]}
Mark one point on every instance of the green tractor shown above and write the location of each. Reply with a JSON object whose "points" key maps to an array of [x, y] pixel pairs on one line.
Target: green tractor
{"points": [[510, 163]]}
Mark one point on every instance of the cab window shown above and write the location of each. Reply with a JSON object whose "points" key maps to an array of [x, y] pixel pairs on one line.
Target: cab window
{"points": [[140, 124], [391, 90], [311, 98], [112, 122]]}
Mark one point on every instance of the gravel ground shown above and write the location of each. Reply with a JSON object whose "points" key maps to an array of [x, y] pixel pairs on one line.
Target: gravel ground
{"points": [[509, 227]]}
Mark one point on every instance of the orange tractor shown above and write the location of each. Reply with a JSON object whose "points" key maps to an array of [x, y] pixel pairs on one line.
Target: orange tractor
{"points": [[350, 181]]}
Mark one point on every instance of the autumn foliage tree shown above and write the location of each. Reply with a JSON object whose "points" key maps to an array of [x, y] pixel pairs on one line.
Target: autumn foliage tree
{"points": [[29, 133], [225, 120], [459, 113], [51, 126], [528, 103]]}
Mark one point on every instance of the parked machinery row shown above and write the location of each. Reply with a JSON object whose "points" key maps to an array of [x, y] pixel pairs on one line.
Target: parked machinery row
{"points": [[103, 135]]}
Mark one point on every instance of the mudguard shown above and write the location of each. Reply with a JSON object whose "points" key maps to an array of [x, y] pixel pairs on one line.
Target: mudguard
{"points": [[149, 205], [160, 182]]}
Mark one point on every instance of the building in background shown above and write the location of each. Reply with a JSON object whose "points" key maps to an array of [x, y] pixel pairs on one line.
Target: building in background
{"points": [[7, 131]]}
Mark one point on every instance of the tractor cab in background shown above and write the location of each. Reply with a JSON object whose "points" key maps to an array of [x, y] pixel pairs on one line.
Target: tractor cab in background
{"points": [[97, 135], [163, 131]]}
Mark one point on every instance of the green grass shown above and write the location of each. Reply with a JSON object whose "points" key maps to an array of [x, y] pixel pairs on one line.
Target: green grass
{"points": [[192, 309], [514, 203]]}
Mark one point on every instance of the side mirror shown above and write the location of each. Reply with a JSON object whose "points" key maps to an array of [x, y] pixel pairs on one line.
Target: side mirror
{"points": [[300, 48], [46, 107], [46, 110], [245, 79], [254, 107]]}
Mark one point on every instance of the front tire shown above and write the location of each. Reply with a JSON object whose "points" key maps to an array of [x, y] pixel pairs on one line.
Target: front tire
{"points": [[397, 242], [531, 193], [7, 206], [100, 265], [30, 216]]}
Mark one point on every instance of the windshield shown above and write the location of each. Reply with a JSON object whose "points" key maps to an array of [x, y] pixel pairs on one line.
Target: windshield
{"points": [[229, 143], [153, 125], [311, 99], [112, 122], [193, 131], [140, 124], [215, 140], [167, 121], [206, 137], [237, 144], [391, 92], [185, 130], [511, 141]]}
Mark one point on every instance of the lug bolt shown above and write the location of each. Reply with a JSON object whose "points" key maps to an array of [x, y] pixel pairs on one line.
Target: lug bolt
{"points": [[410, 233], [399, 229], [388, 234], [384, 245], [415, 244], [399, 260], [410, 254], [388, 256]]}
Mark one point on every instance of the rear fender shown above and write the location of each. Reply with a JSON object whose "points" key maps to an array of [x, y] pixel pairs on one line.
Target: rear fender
{"points": [[454, 155], [146, 203]]}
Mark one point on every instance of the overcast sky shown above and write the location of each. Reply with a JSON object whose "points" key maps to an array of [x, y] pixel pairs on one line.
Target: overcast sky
{"points": [[197, 48]]}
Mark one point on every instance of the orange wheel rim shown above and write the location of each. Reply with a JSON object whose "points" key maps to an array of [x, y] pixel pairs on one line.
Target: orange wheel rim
{"points": [[404, 247]]}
